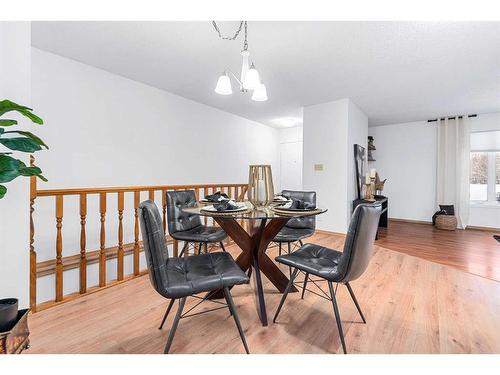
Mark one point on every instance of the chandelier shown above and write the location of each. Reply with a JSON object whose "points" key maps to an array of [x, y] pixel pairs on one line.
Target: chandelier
{"points": [[249, 79]]}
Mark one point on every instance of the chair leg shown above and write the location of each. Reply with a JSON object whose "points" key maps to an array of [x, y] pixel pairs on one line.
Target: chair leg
{"points": [[167, 312], [290, 283], [250, 271], [305, 284], [279, 248], [337, 316], [186, 246], [234, 313], [289, 251], [205, 247], [199, 248], [301, 243], [351, 292], [222, 246], [182, 302]]}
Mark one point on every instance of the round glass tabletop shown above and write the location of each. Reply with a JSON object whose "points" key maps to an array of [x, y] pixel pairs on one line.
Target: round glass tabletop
{"points": [[251, 212]]}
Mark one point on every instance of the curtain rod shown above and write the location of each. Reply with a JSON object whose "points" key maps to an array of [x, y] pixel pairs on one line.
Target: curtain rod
{"points": [[451, 118]]}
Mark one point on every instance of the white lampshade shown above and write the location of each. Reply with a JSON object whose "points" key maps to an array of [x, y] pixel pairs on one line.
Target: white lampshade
{"points": [[252, 79], [260, 93], [224, 85]]}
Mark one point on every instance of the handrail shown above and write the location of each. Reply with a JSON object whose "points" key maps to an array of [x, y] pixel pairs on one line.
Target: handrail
{"points": [[118, 250], [117, 189]]}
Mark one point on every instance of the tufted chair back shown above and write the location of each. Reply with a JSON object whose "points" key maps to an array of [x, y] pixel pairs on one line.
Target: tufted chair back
{"points": [[303, 222], [178, 220], [154, 245], [358, 247]]}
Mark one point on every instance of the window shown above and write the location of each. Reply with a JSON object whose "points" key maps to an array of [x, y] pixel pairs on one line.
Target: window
{"points": [[478, 176], [485, 167], [497, 179]]}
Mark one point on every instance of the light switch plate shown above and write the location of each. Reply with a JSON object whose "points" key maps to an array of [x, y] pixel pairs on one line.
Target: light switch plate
{"points": [[318, 167]]}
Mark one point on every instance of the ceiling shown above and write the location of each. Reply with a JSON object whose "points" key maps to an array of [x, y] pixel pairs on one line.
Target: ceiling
{"points": [[394, 71]]}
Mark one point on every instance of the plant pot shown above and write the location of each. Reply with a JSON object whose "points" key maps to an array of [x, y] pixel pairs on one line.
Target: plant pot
{"points": [[8, 313]]}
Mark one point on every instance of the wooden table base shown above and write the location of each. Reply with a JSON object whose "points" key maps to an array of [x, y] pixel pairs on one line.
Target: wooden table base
{"points": [[254, 244]]}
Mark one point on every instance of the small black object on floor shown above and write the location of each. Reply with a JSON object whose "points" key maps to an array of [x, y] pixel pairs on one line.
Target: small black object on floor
{"points": [[496, 237]]}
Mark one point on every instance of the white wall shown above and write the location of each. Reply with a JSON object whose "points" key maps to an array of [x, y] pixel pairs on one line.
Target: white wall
{"points": [[15, 40], [330, 131], [406, 156], [106, 130]]}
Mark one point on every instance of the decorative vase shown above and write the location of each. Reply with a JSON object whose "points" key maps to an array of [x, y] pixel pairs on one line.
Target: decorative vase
{"points": [[260, 185], [8, 313]]}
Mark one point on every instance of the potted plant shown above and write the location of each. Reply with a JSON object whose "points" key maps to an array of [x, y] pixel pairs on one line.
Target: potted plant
{"points": [[11, 168]]}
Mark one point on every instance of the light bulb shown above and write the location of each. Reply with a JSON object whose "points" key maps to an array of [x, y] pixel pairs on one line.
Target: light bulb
{"points": [[252, 79], [224, 85], [260, 93]]}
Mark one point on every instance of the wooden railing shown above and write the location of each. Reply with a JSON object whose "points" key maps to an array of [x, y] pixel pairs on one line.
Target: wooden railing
{"points": [[82, 260]]}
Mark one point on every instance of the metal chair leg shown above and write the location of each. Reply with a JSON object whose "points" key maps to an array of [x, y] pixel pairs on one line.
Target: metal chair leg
{"points": [[305, 285], [337, 316], [279, 248], [166, 312], [222, 246], [351, 292], [205, 247], [182, 302], [249, 271], [289, 251], [301, 243], [289, 247], [199, 248], [186, 246], [290, 283], [234, 313]]}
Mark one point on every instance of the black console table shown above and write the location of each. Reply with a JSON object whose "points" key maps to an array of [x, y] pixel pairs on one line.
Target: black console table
{"points": [[385, 209]]}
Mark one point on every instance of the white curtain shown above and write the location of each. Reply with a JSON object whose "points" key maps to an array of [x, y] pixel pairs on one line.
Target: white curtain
{"points": [[453, 166]]}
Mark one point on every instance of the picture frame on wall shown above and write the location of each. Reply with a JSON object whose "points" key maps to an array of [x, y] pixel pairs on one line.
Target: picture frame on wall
{"points": [[360, 162]]}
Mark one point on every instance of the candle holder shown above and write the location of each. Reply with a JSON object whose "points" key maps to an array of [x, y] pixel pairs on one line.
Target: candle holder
{"points": [[260, 185], [370, 190]]}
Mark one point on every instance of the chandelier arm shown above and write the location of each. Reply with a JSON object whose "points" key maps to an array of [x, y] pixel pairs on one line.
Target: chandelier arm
{"points": [[236, 78]]}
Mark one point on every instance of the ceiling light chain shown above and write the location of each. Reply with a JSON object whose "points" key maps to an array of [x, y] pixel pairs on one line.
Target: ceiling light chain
{"points": [[235, 34]]}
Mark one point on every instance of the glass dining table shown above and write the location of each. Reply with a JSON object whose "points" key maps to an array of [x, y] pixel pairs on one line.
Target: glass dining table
{"points": [[262, 225]]}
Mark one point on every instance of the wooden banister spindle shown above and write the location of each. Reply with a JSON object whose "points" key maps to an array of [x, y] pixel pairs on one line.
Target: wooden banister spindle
{"points": [[137, 195], [83, 243], [32, 240], [151, 195], [164, 210], [102, 251], [119, 259], [175, 246], [59, 265]]}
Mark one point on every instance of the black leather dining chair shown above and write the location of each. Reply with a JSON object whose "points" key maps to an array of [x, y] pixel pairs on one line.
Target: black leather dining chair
{"points": [[177, 278], [297, 228], [186, 227], [334, 266]]}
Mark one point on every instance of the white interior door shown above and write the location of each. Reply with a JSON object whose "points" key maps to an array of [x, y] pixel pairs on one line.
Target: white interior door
{"points": [[291, 166]]}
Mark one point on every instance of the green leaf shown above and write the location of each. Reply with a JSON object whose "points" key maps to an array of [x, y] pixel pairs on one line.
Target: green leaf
{"points": [[3, 190], [20, 144], [8, 122], [9, 168], [30, 171], [30, 135], [7, 106]]}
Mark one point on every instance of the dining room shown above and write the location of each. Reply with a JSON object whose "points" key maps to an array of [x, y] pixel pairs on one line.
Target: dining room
{"points": [[229, 187]]}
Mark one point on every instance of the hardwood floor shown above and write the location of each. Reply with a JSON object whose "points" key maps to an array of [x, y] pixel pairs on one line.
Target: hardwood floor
{"points": [[412, 305], [474, 251]]}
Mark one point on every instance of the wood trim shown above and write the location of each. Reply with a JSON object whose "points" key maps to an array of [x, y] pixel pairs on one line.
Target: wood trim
{"points": [[70, 262], [411, 221], [72, 296], [484, 229], [328, 232], [116, 189]]}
